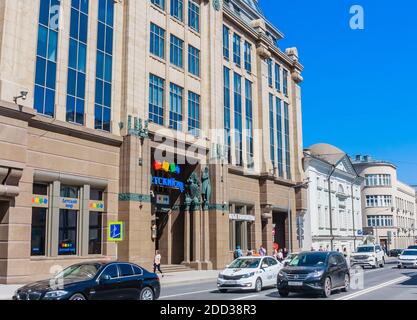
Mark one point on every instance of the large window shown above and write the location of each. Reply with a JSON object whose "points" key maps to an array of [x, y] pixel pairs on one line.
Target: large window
{"points": [[193, 61], [269, 63], [287, 140], [226, 43], [46, 57], [271, 129], [241, 228], [238, 118], [379, 201], [67, 239], [278, 77], [378, 180], [177, 9], [249, 124], [194, 113], [279, 137], [194, 15], [380, 221], [285, 84], [157, 41], [95, 233], [159, 3], [77, 61], [227, 116], [248, 57], [175, 112], [156, 99], [38, 231], [176, 52], [237, 51], [104, 65]]}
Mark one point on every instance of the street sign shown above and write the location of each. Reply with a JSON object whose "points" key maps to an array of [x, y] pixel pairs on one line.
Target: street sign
{"points": [[115, 232]]}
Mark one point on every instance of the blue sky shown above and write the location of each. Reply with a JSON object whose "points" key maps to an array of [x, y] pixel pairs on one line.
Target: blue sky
{"points": [[360, 88]]}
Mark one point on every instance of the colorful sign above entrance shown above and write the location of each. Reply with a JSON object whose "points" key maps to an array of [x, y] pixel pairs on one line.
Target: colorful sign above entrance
{"points": [[166, 167], [40, 201], [168, 183], [69, 203], [115, 232]]}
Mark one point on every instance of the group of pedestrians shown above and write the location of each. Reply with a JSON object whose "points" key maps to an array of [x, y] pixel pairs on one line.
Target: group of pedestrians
{"points": [[280, 254]]}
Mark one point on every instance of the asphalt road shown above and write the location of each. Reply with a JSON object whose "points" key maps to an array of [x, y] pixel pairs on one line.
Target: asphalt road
{"points": [[387, 283]]}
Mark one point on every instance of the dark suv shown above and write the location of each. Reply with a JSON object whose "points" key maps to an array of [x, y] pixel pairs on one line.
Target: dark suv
{"points": [[316, 272]]}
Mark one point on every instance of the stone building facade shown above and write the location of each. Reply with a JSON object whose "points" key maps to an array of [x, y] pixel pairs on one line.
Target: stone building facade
{"points": [[88, 92]]}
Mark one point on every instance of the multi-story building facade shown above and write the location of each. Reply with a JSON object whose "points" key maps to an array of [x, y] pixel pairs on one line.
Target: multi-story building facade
{"points": [[389, 204], [106, 81], [334, 216]]}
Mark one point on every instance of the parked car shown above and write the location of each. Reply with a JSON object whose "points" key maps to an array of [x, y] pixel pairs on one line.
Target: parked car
{"points": [[317, 272], [368, 256], [412, 247], [288, 259], [95, 281], [408, 259], [395, 252], [249, 273]]}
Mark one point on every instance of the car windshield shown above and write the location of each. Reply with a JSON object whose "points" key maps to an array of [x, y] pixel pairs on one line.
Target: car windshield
{"points": [[309, 260], [365, 249], [409, 253], [412, 247], [245, 264], [79, 272]]}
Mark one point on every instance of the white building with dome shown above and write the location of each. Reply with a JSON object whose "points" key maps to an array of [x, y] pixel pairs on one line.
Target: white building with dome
{"points": [[333, 220]]}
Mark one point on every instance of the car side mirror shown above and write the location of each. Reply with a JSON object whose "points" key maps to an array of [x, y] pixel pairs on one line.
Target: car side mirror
{"points": [[105, 278], [226, 266], [264, 266]]}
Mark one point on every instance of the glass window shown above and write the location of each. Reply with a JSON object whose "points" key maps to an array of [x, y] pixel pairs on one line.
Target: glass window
{"points": [[125, 270], [248, 57], [278, 77], [137, 270], [193, 113], [176, 52], [40, 189], [226, 43], [194, 15], [157, 41], [193, 61], [287, 140], [95, 233], [38, 231], [226, 102], [77, 62], [159, 3], [238, 119], [47, 47], [249, 124], [67, 239], [156, 99], [111, 271], [269, 62], [96, 195], [272, 128], [69, 192], [237, 49], [175, 112], [177, 9], [104, 66], [285, 84], [279, 137]]}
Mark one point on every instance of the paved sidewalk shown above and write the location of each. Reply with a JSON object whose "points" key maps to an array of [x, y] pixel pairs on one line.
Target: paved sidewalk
{"points": [[7, 291]]}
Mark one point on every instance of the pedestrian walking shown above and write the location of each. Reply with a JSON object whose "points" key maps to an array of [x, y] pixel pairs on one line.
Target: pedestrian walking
{"points": [[280, 256], [157, 263], [262, 251], [238, 253], [285, 253]]}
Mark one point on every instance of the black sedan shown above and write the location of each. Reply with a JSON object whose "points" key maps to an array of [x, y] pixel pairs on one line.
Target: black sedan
{"points": [[315, 272], [95, 281]]}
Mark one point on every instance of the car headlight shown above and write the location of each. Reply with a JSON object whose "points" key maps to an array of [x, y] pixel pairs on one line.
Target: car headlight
{"points": [[56, 294], [316, 274], [248, 275]]}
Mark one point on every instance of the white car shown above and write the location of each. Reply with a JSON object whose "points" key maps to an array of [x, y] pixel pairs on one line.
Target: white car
{"points": [[408, 259], [368, 256], [289, 258], [249, 273]]}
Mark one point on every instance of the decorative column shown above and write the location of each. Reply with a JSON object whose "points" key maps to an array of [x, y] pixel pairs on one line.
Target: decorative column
{"points": [[196, 263], [187, 237], [206, 263]]}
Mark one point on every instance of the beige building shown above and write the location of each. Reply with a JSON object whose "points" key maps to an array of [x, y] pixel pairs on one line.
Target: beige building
{"points": [[87, 91], [389, 209]]}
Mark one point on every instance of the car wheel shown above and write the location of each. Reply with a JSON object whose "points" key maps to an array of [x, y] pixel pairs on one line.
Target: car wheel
{"points": [[146, 294], [375, 265], [327, 289], [77, 297], [399, 267], [258, 285], [284, 293], [222, 290], [347, 283]]}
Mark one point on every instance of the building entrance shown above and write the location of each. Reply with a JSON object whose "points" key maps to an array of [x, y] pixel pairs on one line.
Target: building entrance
{"points": [[280, 236]]}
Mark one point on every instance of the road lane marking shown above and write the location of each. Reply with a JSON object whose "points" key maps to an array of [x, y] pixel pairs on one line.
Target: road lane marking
{"points": [[374, 288], [247, 297], [186, 294]]}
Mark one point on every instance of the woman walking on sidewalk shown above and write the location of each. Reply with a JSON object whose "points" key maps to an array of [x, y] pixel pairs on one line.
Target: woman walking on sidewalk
{"points": [[157, 263]]}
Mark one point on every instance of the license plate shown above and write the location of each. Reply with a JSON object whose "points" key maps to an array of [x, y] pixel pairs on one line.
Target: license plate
{"points": [[231, 282], [295, 284]]}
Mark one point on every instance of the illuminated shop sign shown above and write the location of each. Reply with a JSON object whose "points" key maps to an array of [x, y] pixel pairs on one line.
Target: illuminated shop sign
{"points": [[166, 167], [68, 203], [66, 247], [168, 183], [241, 217]]}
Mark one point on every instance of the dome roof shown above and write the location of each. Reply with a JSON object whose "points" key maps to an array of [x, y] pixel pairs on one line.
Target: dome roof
{"points": [[325, 149]]}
